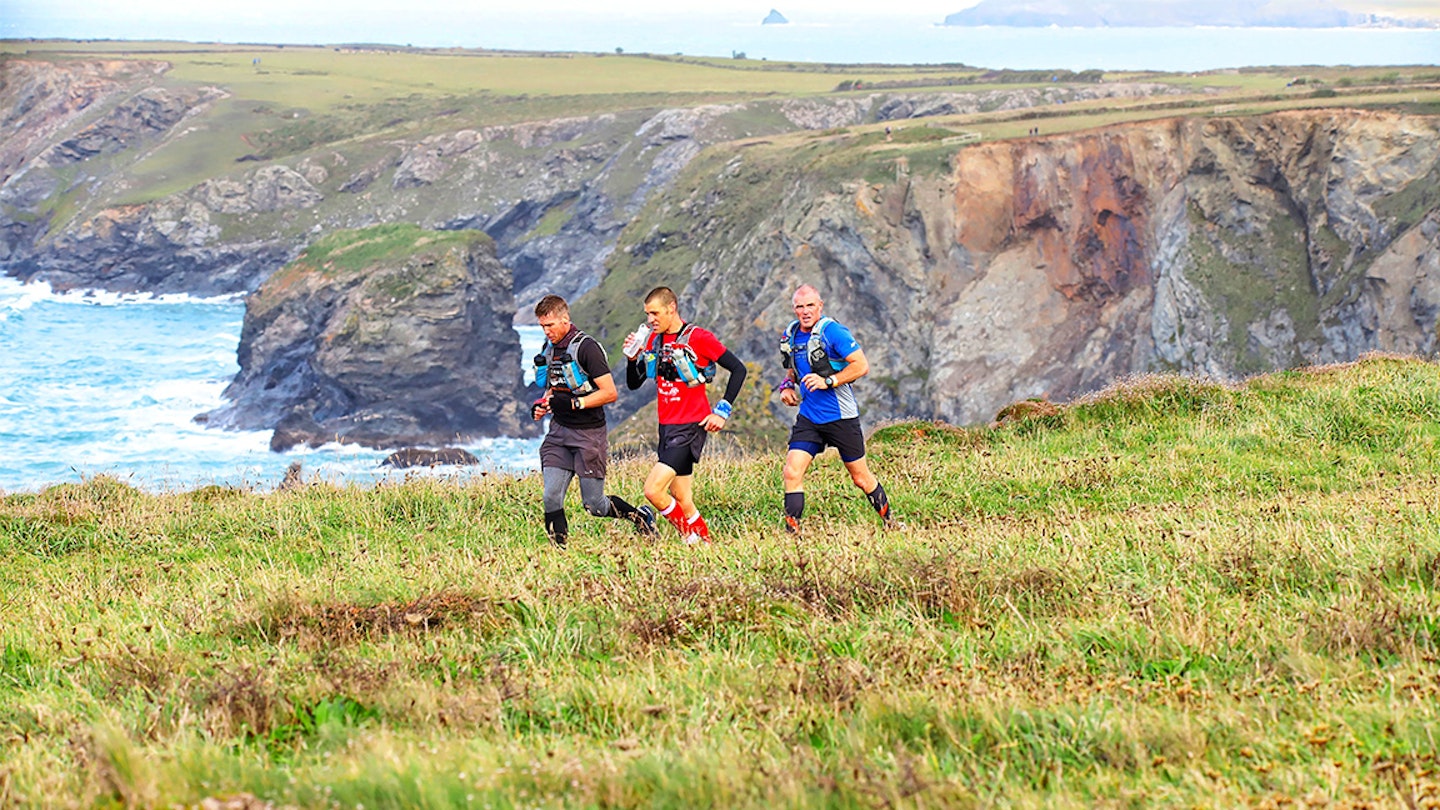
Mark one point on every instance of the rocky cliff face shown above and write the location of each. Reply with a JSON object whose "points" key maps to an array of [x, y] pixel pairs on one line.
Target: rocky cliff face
{"points": [[386, 337], [983, 274], [553, 194], [976, 274]]}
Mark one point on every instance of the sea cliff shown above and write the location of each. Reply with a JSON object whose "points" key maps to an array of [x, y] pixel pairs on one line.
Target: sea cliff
{"points": [[976, 275]]}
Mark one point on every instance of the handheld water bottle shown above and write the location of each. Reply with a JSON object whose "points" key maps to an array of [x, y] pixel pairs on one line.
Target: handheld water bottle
{"points": [[636, 342]]}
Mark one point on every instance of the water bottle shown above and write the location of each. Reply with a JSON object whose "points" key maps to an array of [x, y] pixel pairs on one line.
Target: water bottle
{"points": [[637, 341]]}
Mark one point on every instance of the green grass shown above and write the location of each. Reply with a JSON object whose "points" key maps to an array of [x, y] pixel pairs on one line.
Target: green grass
{"points": [[355, 250], [1170, 594], [409, 259], [323, 78]]}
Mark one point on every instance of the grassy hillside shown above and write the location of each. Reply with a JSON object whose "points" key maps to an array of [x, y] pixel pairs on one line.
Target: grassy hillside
{"points": [[286, 101], [1169, 594]]}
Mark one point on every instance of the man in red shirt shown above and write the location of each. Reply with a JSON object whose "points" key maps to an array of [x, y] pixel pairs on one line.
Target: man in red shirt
{"points": [[681, 358]]}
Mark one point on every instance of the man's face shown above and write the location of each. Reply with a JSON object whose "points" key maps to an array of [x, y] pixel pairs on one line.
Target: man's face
{"points": [[807, 308], [555, 326], [662, 317]]}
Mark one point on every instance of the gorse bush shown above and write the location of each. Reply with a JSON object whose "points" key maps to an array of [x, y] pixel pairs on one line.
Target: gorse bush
{"points": [[1169, 593]]}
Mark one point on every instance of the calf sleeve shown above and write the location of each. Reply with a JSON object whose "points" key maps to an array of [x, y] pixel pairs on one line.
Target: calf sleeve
{"points": [[697, 525], [878, 500], [592, 493], [557, 527], [794, 504], [620, 508], [556, 481], [675, 515]]}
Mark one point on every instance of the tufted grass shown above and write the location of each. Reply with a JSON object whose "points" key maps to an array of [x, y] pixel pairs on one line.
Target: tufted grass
{"points": [[1170, 593]]}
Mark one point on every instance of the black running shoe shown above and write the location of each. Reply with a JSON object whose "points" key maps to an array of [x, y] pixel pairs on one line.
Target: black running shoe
{"points": [[644, 520]]}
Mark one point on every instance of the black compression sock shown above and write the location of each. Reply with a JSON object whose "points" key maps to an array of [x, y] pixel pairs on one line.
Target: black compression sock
{"points": [[619, 508], [557, 527], [794, 504], [878, 500]]}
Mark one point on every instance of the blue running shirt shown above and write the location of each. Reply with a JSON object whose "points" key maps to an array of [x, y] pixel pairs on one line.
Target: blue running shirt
{"points": [[839, 402]]}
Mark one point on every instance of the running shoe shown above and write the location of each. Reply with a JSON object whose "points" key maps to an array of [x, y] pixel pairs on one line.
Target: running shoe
{"points": [[792, 526], [644, 520]]}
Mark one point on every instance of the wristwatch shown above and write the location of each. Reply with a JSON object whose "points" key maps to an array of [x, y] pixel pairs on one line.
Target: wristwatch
{"points": [[830, 382]]}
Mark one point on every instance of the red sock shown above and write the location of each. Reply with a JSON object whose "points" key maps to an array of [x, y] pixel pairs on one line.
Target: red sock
{"points": [[676, 516], [697, 525]]}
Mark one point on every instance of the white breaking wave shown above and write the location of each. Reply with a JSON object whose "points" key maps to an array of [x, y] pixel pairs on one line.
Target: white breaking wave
{"points": [[108, 384]]}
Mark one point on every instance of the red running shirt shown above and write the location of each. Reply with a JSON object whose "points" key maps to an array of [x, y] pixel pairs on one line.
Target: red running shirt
{"points": [[678, 403]]}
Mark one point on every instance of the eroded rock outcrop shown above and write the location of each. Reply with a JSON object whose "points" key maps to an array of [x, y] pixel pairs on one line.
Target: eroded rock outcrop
{"points": [[41, 99], [387, 337], [149, 112], [1050, 267]]}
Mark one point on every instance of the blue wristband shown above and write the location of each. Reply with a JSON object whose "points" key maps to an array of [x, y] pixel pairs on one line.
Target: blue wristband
{"points": [[723, 409]]}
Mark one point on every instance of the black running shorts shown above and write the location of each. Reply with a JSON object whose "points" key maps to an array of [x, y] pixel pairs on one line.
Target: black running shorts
{"points": [[680, 446], [844, 435]]}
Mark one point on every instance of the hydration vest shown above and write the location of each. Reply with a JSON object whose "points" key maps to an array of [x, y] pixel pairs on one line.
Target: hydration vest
{"points": [[554, 370], [814, 348], [677, 356]]}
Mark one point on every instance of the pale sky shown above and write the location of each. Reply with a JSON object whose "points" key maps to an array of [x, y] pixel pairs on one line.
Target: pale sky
{"points": [[464, 23], [842, 31], [280, 11]]}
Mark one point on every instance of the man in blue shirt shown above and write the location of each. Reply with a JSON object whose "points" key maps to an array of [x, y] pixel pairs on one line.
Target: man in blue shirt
{"points": [[822, 360]]}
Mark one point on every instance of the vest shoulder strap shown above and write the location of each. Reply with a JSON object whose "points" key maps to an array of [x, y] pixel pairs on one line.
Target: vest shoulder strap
{"points": [[681, 339]]}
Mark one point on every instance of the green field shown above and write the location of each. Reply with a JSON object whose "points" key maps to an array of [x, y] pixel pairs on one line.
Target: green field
{"points": [[322, 78], [1171, 594]]}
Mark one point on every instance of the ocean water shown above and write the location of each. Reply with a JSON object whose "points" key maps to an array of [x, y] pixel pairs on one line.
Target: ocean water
{"points": [[912, 39], [100, 384]]}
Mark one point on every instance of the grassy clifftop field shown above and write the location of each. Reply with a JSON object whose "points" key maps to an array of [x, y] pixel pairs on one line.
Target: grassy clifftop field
{"points": [[1170, 594]]}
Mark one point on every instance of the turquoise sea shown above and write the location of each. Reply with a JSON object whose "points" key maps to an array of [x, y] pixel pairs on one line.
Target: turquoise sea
{"points": [[102, 384]]}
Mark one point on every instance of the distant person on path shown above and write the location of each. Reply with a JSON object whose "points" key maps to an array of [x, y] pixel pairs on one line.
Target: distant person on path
{"points": [[822, 360], [574, 374], [681, 358]]}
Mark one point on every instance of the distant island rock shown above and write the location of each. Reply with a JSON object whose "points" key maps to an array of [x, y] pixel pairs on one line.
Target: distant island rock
{"points": [[774, 18], [1181, 13]]}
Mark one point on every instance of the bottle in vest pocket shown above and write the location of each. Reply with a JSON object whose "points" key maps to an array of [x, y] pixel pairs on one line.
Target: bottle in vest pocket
{"points": [[573, 376], [690, 372]]}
